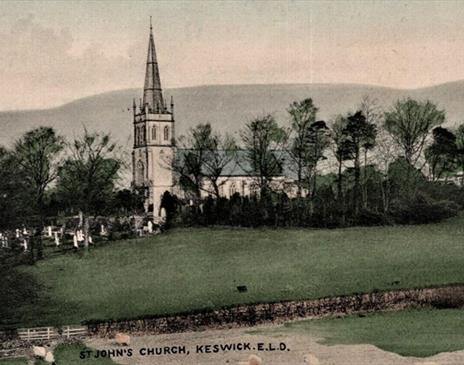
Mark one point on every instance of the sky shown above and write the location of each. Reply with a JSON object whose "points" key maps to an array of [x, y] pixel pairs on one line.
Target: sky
{"points": [[53, 52]]}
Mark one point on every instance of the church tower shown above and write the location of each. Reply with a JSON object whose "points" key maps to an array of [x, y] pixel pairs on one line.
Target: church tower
{"points": [[154, 138]]}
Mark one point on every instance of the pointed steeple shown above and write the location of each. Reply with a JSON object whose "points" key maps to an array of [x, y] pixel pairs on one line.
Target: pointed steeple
{"points": [[152, 93]]}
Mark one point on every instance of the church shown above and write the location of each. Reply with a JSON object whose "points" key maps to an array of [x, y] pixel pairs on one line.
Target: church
{"points": [[154, 145], [154, 136]]}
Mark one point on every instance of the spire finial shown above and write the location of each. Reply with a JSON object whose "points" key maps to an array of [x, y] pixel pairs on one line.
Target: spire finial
{"points": [[152, 94]]}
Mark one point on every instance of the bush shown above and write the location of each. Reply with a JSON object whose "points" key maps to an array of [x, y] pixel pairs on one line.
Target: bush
{"points": [[422, 209], [369, 217]]}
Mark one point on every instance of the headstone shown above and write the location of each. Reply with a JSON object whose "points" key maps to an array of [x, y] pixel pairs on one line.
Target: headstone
{"points": [[102, 230], [163, 213], [150, 227], [80, 235], [57, 239], [76, 244], [90, 239]]}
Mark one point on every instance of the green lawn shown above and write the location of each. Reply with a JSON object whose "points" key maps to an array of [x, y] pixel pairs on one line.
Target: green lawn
{"points": [[64, 355], [69, 355], [16, 361], [189, 269], [418, 333]]}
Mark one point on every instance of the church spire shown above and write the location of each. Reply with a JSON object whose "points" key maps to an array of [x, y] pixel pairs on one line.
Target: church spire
{"points": [[152, 94]]}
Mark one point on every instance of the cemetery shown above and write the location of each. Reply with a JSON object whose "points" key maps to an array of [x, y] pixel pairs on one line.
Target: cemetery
{"points": [[294, 219]]}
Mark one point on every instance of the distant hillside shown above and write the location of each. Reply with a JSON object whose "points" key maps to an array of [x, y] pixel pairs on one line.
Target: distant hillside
{"points": [[227, 107]]}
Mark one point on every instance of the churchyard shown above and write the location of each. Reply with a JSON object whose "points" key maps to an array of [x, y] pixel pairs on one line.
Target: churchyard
{"points": [[191, 269]]}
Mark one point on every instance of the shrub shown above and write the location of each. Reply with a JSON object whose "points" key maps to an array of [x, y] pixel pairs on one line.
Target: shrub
{"points": [[422, 209]]}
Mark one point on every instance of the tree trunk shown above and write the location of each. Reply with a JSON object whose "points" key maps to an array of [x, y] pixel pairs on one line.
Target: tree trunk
{"points": [[216, 188], [86, 229], [40, 254], [38, 235], [339, 182], [340, 195], [357, 175], [364, 184], [31, 249]]}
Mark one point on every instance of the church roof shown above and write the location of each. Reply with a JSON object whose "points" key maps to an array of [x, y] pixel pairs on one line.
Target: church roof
{"points": [[240, 166], [152, 93]]}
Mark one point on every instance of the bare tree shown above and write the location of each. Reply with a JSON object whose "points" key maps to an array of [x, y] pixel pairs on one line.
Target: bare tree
{"points": [[410, 123], [264, 143], [88, 176], [370, 108], [302, 116], [385, 153], [38, 155], [203, 158]]}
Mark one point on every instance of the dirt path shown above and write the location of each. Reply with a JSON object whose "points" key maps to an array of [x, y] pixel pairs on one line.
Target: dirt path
{"points": [[298, 345]]}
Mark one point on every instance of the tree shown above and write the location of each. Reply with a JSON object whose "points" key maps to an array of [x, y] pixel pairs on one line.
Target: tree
{"points": [[460, 151], [87, 177], [204, 158], [343, 151], [384, 155], [410, 122], [317, 143], [264, 143], [14, 194], [302, 116], [37, 153], [441, 154], [369, 107], [220, 153], [127, 201], [360, 133]]}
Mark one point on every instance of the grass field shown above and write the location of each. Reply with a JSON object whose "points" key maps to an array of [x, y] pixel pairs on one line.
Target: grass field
{"points": [[419, 333], [64, 354], [18, 361], [189, 269]]}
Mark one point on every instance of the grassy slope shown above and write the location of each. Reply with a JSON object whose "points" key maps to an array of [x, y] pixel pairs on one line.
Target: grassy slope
{"points": [[17, 361], [200, 268], [418, 333], [66, 355]]}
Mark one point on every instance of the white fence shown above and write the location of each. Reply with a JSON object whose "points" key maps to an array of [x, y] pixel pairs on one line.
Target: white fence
{"points": [[48, 333]]}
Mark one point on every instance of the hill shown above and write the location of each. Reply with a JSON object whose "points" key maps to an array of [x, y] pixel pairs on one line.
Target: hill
{"points": [[227, 107], [200, 268]]}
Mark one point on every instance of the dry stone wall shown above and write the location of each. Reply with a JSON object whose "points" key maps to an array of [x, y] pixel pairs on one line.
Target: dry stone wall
{"points": [[251, 315]]}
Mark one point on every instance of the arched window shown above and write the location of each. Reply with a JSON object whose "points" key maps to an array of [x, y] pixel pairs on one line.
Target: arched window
{"points": [[232, 189], [139, 135], [166, 133], [153, 133], [140, 172]]}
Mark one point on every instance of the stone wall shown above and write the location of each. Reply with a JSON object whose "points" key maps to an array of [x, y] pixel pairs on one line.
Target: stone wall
{"points": [[250, 315]]}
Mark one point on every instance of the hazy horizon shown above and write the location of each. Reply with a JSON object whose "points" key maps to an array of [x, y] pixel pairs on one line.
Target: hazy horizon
{"points": [[56, 52], [129, 102]]}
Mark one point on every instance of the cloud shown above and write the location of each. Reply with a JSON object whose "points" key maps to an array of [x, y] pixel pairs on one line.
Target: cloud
{"points": [[39, 66]]}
